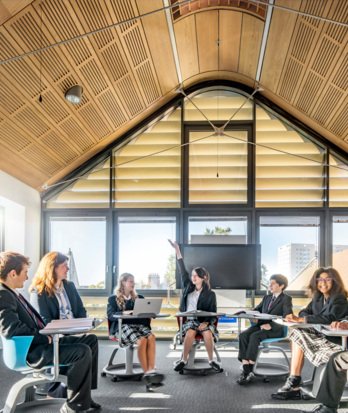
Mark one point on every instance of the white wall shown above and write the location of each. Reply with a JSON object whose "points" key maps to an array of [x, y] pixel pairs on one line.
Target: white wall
{"points": [[22, 218]]}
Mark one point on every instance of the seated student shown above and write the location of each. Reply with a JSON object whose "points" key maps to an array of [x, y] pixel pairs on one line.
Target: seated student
{"points": [[334, 378], [19, 318], [54, 297], [329, 303], [197, 295], [136, 330], [276, 303]]}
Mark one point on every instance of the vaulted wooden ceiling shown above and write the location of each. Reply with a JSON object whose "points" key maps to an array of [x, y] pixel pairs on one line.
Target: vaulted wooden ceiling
{"points": [[128, 70]]}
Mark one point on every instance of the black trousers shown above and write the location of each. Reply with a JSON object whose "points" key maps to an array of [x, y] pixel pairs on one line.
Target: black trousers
{"points": [[80, 357], [333, 380], [250, 339]]}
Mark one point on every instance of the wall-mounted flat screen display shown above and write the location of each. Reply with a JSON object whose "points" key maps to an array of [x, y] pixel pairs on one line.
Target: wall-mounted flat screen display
{"points": [[231, 266]]}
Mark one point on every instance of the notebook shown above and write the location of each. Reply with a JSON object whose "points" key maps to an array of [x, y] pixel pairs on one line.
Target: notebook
{"points": [[147, 306]]}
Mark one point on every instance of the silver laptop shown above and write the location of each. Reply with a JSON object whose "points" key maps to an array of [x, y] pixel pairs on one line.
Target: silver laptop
{"points": [[147, 306]]}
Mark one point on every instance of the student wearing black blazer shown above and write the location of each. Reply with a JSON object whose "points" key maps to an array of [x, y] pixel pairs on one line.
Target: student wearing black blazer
{"points": [[55, 298], [197, 295], [19, 318], [276, 303], [328, 304]]}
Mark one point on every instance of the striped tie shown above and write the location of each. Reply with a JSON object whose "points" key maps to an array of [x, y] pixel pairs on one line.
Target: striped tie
{"points": [[271, 302], [38, 320]]}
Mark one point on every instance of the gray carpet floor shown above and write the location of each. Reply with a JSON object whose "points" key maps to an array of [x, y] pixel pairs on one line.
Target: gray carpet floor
{"points": [[213, 393]]}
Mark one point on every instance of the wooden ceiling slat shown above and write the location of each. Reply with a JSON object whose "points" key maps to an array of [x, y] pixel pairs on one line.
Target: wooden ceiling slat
{"points": [[230, 32], [207, 37]]}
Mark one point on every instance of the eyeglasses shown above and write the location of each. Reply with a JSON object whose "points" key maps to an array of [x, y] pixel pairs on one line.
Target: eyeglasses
{"points": [[324, 280]]}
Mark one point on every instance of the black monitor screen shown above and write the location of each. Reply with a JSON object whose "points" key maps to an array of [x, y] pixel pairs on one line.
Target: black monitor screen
{"points": [[231, 266]]}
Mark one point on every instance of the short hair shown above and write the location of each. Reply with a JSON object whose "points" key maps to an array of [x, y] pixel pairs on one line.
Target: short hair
{"points": [[280, 279], [11, 261]]}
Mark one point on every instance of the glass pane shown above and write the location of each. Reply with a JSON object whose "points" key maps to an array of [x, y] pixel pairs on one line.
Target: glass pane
{"points": [[218, 104], [83, 239], [289, 246], [218, 168], [340, 246], [338, 173], [218, 230], [289, 167], [89, 191], [145, 252], [148, 168]]}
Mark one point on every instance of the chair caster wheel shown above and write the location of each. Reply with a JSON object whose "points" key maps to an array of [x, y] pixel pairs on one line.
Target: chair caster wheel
{"points": [[114, 379], [103, 374], [221, 370], [181, 372], [266, 380]]}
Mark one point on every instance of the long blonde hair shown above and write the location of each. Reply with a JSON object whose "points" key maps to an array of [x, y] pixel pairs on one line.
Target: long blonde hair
{"points": [[45, 277], [119, 290]]}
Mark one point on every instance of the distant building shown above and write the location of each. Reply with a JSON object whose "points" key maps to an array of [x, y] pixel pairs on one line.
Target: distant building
{"points": [[293, 258], [154, 281], [339, 248]]}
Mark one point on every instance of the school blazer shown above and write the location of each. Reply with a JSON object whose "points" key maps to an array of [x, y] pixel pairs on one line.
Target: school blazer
{"points": [[206, 300], [282, 306], [317, 312], [48, 306], [15, 321]]}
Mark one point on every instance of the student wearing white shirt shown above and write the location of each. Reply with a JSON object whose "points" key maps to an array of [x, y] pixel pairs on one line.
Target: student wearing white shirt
{"points": [[197, 295]]}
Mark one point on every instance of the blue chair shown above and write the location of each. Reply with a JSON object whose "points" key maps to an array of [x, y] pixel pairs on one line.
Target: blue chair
{"points": [[15, 351], [269, 369]]}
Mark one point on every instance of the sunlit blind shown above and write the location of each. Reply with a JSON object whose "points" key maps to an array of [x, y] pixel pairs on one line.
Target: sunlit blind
{"points": [[218, 105], [147, 169], [218, 168], [338, 183], [89, 191], [289, 167]]}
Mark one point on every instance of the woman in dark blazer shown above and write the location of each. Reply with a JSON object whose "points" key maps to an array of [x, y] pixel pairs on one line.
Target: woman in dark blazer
{"points": [[276, 303], [329, 303], [54, 297], [196, 295]]}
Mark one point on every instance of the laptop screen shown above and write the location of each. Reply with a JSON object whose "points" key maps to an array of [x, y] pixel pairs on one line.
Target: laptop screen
{"points": [[147, 306]]}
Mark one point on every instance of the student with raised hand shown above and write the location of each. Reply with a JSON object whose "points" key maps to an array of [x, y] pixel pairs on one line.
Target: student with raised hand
{"points": [[55, 298], [328, 304], [276, 303], [19, 318], [197, 295], [135, 330]]}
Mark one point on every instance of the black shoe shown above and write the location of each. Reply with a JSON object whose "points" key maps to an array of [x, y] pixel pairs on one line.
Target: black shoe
{"points": [[321, 408], [245, 378], [179, 365], [215, 365], [290, 390], [67, 409], [94, 405], [153, 378]]}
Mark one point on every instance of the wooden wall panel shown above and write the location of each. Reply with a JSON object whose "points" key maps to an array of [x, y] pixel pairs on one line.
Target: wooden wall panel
{"points": [[251, 36], [186, 41], [157, 35], [279, 38], [207, 38], [230, 30]]}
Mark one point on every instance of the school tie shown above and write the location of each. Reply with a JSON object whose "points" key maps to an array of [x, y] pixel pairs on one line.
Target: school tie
{"points": [[271, 302], [37, 319]]}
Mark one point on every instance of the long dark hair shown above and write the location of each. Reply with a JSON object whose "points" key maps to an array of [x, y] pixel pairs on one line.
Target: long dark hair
{"points": [[204, 274], [337, 282]]}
